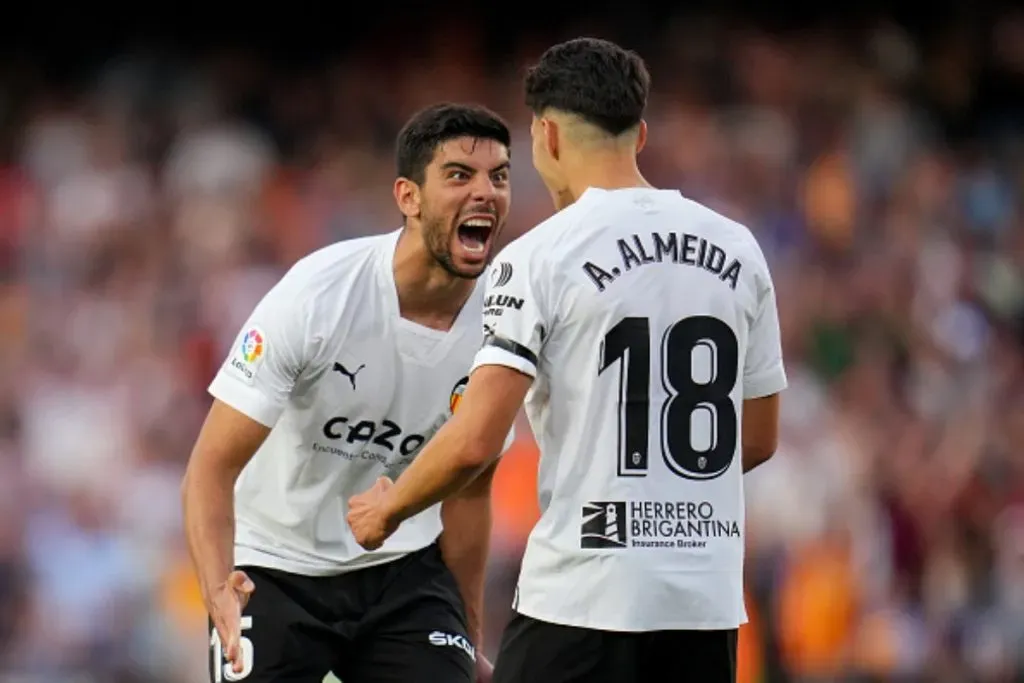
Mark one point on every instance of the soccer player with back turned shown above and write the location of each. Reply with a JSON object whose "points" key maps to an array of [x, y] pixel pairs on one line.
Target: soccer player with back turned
{"points": [[641, 329]]}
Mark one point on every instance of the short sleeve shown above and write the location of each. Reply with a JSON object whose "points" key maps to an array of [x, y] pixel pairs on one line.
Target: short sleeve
{"points": [[266, 358], [514, 325], [764, 373]]}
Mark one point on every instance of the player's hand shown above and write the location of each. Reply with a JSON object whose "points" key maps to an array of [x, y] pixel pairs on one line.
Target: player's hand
{"points": [[228, 601], [367, 518], [484, 669]]}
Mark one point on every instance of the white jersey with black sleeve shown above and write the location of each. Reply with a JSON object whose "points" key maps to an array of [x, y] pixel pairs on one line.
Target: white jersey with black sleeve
{"points": [[352, 391], [646, 319]]}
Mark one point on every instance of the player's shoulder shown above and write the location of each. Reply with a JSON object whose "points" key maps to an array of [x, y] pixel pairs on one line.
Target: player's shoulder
{"points": [[326, 274], [728, 233], [727, 229], [328, 260], [542, 241]]}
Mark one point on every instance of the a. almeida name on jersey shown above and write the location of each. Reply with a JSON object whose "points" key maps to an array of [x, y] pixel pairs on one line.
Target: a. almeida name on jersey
{"points": [[658, 247]]}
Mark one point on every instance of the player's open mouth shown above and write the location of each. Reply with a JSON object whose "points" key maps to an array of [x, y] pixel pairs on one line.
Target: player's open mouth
{"points": [[475, 233]]}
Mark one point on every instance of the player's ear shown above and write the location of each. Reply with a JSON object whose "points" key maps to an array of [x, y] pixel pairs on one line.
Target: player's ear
{"points": [[641, 136], [407, 196], [550, 131]]}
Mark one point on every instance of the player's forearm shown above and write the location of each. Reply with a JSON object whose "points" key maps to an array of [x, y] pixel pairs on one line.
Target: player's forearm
{"points": [[464, 544], [449, 462], [208, 500]]}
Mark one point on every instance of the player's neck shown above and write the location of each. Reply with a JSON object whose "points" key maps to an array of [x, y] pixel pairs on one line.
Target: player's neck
{"points": [[605, 173], [427, 293]]}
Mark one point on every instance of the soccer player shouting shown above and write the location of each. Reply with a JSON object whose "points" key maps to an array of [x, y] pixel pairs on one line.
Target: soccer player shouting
{"points": [[343, 371]]}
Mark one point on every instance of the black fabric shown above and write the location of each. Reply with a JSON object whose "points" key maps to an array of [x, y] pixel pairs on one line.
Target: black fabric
{"points": [[401, 621]]}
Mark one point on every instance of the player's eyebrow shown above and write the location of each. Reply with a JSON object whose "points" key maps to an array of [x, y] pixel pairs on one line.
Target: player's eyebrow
{"points": [[469, 169]]}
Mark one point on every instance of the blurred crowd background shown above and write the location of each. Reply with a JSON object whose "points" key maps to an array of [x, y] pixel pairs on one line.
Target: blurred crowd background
{"points": [[149, 199]]}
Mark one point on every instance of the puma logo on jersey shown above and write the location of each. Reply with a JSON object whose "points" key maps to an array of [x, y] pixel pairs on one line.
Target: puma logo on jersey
{"points": [[453, 640], [338, 367]]}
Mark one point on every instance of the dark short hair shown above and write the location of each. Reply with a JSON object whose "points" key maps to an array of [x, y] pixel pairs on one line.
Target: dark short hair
{"points": [[431, 127], [604, 84]]}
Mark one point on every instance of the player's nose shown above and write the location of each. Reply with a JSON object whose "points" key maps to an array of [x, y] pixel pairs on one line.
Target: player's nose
{"points": [[484, 188]]}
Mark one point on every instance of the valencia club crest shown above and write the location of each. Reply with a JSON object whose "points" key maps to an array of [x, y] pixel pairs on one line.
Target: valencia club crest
{"points": [[456, 396]]}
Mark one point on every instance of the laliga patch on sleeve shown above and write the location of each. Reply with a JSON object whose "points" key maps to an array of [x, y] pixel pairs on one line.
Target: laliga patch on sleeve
{"points": [[248, 355]]}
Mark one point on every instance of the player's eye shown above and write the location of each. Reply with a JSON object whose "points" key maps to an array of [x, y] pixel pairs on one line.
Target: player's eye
{"points": [[458, 175], [500, 177]]}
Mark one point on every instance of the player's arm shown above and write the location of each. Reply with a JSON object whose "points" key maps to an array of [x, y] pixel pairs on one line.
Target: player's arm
{"points": [[760, 430], [503, 373], [464, 544], [250, 391], [226, 443], [764, 377], [464, 447]]}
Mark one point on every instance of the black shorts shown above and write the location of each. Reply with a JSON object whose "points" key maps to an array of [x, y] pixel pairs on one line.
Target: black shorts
{"points": [[398, 622], [541, 652]]}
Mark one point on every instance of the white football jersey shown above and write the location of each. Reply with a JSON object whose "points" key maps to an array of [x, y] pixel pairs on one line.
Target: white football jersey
{"points": [[646, 319], [352, 392]]}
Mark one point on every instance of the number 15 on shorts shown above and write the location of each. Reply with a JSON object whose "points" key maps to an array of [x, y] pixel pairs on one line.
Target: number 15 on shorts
{"points": [[222, 670]]}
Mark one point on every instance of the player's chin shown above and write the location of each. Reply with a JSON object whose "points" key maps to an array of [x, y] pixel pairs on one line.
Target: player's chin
{"points": [[469, 269]]}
